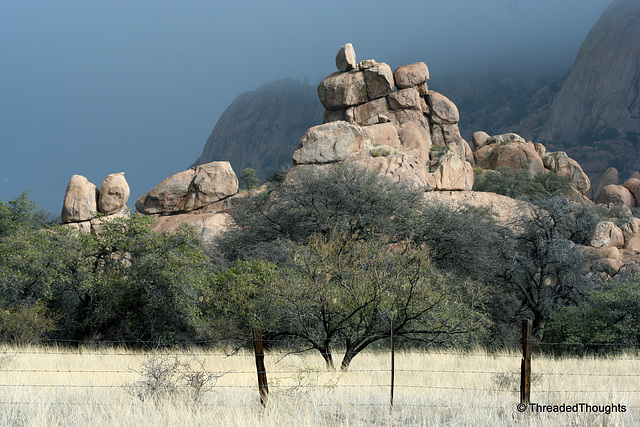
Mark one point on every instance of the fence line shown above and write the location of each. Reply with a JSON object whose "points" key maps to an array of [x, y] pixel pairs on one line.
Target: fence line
{"points": [[528, 386]]}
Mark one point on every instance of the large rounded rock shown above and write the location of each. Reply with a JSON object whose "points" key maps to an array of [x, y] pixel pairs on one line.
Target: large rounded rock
{"points": [[633, 185], [341, 90], [383, 134], [565, 166], [114, 193], [479, 139], [329, 143], [346, 58], [454, 173], [398, 167], [379, 81], [189, 190], [411, 75], [607, 234], [207, 225], [80, 200], [369, 113], [415, 140], [405, 99], [507, 210], [514, 155], [442, 109], [616, 194]]}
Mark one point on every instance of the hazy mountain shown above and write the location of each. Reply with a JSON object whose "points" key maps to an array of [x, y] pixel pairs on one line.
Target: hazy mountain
{"points": [[262, 128]]}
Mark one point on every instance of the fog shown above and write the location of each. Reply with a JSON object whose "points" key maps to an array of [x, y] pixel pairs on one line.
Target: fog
{"points": [[96, 87]]}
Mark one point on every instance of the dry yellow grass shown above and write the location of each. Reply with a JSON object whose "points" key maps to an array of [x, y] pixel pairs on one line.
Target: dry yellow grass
{"points": [[46, 386]]}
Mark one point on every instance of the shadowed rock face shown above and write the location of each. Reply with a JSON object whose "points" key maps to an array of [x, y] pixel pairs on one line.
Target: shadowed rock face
{"points": [[603, 89], [261, 128]]}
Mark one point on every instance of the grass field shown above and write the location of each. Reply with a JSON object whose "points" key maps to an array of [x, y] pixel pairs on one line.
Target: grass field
{"points": [[44, 386]]}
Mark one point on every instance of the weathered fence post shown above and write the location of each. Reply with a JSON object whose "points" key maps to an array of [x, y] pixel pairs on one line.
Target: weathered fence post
{"points": [[393, 370], [262, 372], [525, 367]]}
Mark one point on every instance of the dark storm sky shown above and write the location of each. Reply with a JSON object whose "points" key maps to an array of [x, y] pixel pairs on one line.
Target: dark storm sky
{"points": [[95, 87]]}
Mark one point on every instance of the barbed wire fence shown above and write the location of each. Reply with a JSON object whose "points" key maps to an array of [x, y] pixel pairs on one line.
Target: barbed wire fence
{"points": [[380, 381]]}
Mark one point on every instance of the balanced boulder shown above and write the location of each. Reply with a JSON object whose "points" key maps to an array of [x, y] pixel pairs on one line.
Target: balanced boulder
{"points": [[189, 190], [114, 193], [80, 200], [346, 58]]}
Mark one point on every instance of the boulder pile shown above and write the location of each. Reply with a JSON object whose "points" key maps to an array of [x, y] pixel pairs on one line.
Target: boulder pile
{"points": [[83, 201], [512, 151], [390, 122]]}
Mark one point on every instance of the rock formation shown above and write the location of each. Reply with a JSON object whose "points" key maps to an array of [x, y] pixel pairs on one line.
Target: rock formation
{"points": [[83, 200], [389, 122], [80, 200], [114, 193], [192, 189]]}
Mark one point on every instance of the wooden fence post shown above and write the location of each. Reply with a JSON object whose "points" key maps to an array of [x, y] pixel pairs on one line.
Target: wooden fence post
{"points": [[393, 371], [263, 387], [525, 367]]}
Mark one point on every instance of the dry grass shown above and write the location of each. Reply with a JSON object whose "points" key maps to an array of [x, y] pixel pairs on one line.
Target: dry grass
{"points": [[431, 389]]}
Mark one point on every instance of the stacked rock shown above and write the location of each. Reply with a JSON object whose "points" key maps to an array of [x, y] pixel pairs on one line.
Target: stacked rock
{"points": [[83, 200], [389, 122]]}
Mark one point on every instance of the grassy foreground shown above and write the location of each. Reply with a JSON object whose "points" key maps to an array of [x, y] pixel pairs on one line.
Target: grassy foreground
{"points": [[54, 386]]}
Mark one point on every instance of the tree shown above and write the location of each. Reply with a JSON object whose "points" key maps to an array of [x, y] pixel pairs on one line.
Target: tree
{"points": [[335, 198], [608, 320], [249, 179], [125, 283], [464, 239], [20, 212], [544, 266], [343, 292]]}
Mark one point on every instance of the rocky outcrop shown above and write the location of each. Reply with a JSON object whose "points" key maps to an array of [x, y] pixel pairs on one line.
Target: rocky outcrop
{"points": [[509, 151], [83, 201], [387, 129], [190, 190], [114, 193], [512, 151], [80, 200], [616, 194], [565, 166]]}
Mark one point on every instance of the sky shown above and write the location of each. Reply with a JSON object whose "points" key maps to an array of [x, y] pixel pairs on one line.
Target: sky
{"points": [[94, 87]]}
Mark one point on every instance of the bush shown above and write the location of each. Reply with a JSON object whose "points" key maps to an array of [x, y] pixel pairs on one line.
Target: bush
{"points": [[521, 183], [607, 321], [336, 198]]}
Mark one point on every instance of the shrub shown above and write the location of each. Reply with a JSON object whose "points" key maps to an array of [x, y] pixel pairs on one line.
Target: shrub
{"points": [[517, 183], [608, 320]]}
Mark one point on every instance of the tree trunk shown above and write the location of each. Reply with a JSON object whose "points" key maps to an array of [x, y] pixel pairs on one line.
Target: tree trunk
{"points": [[328, 358], [346, 360], [538, 324]]}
